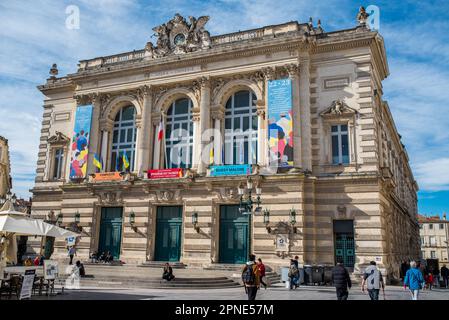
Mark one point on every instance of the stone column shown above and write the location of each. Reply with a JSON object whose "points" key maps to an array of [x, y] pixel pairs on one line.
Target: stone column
{"points": [[94, 134], [204, 122], [292, 70], [156, 143], [143, 134], [262, 138], [305, 120], [218, 116], [106, 127], [196, 138]]}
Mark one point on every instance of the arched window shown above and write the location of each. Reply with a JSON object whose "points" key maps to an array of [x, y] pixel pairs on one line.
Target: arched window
{"points": [[124, 139], [241, 129], [179, 134]]}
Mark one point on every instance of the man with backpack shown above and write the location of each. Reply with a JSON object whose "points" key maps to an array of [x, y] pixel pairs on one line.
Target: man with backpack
{"points": [[341, 280], [374, 281], [251, 277], [293, 274]]}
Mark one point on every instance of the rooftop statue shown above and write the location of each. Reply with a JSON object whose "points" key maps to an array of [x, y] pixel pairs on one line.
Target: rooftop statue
{"points": [[362, 16], [178, 36]]}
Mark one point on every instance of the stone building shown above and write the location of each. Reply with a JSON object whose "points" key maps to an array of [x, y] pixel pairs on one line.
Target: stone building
{"points": [[5, 168], [434, 233], [346, 192]]}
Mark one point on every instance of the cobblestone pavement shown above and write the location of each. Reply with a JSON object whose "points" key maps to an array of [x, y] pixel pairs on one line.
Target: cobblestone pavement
{"points": [[277, 292]]}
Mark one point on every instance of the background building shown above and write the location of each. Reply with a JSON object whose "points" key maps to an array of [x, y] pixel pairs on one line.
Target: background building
{"points": [[5, 168], [434, 233], [347, 192]]}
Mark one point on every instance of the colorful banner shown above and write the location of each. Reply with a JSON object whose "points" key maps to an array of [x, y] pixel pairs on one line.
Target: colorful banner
{"points": [[107, 176], [230, 170], [280, 122], [165, 173], [80, 142]]}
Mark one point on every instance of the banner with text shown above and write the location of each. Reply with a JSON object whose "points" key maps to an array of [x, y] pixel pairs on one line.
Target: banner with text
{"points": [[230, 170], [165, 173], [280, 122], [80, 142]]}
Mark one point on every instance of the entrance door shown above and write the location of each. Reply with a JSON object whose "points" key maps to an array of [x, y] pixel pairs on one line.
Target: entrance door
{"points": [[344, 242], [168, 233], [234, 235], [111, 231]]}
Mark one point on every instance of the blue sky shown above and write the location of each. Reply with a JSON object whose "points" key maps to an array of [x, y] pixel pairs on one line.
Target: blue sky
{"points": [[33, 35]]}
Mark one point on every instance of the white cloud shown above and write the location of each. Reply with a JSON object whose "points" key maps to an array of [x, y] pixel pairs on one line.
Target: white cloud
{"points": [[433, 175]]}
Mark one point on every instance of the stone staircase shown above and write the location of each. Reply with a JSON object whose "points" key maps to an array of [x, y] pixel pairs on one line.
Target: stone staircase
{"points": [[161, 264]]}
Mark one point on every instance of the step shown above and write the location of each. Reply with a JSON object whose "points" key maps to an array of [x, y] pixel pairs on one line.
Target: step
{"points": [[161, 264]]}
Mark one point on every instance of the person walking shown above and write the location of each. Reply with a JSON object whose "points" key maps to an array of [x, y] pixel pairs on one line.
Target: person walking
{"points": [[445, 275], [414, 280], [372, 277], [251, 277], [261, 268], [341, 280], [293, 274], [72, 252]]}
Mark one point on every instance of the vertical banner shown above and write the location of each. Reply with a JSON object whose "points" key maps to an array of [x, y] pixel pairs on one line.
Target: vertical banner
{"points": [[80, 142], [280, 122]]}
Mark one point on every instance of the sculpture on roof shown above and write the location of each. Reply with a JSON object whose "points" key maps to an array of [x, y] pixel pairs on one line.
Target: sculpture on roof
{"points": [[362, 16], [178, 36]]}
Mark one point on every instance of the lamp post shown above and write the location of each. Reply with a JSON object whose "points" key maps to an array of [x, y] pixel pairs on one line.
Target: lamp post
{"points": [[59, 219], [195, 221], [246, 198], [132, 218], [293, 219], [266, 219], [77, 217]]}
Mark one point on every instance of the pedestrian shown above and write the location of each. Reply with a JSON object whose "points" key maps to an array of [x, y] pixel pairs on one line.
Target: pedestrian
{"points": [[168, 272], [81, 269], [36, 261], [251, 277], [293, 273], [404, 267], [341, 280], [261, 268], [414, 280], [445, 275], [72, 252], [428, 278], [372, 277]]}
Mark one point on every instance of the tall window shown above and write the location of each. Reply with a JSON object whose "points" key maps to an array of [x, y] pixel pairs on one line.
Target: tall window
{"points": [[433, 255], [179, 135], [241, 129], [430, 226], [124, 139], [340, 144], [58, 163]]}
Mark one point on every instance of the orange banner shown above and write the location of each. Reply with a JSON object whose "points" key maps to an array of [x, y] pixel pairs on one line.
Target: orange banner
{"points": [[107, 176]]}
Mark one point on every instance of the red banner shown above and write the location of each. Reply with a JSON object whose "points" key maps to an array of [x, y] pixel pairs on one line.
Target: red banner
{"points": [[165, 173]]}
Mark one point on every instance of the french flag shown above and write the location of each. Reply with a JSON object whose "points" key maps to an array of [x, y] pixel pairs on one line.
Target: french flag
{"points": [[160, 133]]}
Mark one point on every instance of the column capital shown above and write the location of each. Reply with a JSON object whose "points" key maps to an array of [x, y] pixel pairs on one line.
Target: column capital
{"points": [[261, 113], [292, 69], [156, 119], [106, 125], [269, 73]]}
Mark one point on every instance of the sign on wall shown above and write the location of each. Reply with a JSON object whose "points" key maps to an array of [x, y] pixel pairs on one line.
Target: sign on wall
{"points": [[230, 170], [165, 173], [107, 176], [80, 142], [280, 122], [281, 242]]}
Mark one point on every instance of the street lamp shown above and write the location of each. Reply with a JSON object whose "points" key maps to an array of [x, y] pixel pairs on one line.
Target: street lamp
{"points": [[195, 221], [247, 201], [266, 219], [59, 219], [77, 217], [132, 218], [293, 219]]}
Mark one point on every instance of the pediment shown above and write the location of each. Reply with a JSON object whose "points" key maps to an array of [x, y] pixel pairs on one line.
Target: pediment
{"points": [[58, 138], [338, 108]]}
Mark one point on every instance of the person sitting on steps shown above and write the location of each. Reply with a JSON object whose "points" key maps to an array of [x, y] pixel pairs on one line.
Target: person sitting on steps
{"points": [[168, 272]]}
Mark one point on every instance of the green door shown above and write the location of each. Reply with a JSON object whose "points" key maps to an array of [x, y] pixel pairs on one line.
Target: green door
{"points": [[344, 248], [168, 233], [111, 231], [234, 235]]}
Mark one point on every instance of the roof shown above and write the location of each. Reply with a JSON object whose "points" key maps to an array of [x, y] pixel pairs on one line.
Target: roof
{"points": [[428, 219]]}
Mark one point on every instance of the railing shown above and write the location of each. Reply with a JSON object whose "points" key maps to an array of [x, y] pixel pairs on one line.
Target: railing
{"points": [[118, 58]]}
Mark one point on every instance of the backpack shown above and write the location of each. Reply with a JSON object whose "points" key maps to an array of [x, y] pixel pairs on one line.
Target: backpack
{"points": [[248, 276], [293, 271]]}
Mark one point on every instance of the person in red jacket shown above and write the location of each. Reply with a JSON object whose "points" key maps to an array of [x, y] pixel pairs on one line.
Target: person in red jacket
{"points": [[429, 280], [261, 268]]}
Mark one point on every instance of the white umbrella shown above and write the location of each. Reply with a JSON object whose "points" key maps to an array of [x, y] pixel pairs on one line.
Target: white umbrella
{"points": [[20, 223]]}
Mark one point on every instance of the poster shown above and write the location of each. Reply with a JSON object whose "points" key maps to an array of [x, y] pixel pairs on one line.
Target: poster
{"points": [[230, 170], [165, 173], [280, 122], [71, 241], [80, 142], [281, 242], [51, 269], [27, 284]]}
